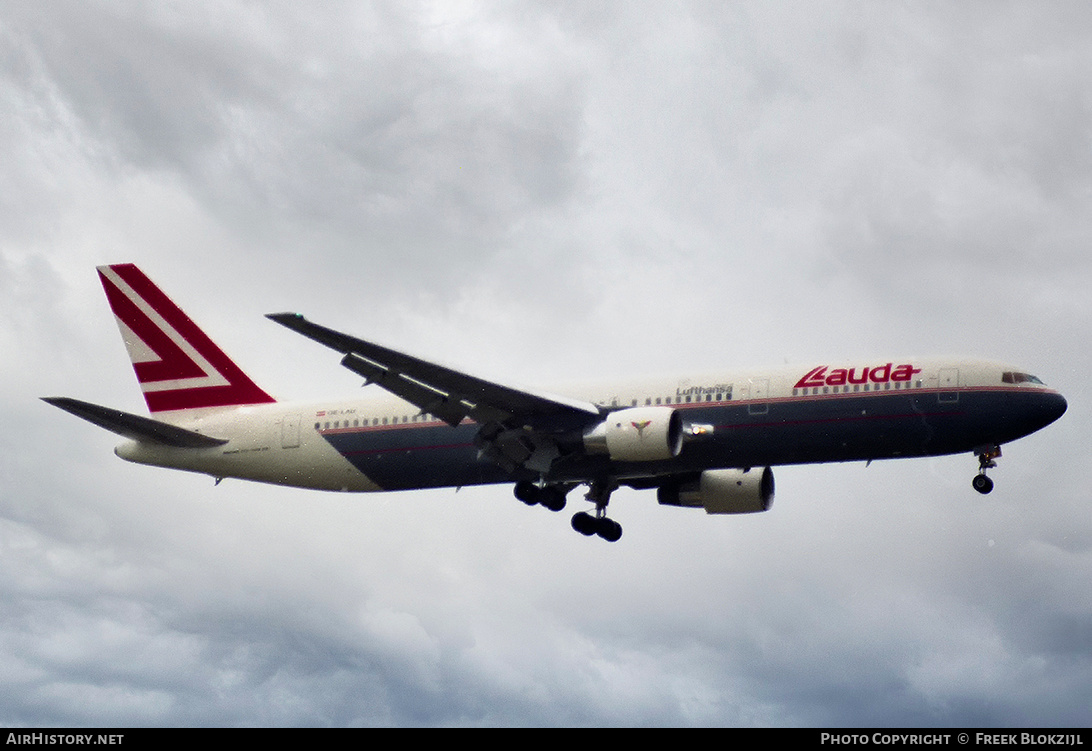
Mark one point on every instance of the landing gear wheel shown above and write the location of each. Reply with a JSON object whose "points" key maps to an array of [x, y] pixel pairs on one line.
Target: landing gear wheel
{"points": [[552, 498], [547, 496], [527, 492], [982, 484], [585, 523], [608, 529], [986, 456], [598, 524]]}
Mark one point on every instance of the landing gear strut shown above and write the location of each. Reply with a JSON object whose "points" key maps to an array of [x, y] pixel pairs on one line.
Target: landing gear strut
{"points": [[598, 524], [986, 456]]}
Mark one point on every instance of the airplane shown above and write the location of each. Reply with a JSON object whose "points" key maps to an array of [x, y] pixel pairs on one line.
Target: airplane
{"points": [[702, 441]]}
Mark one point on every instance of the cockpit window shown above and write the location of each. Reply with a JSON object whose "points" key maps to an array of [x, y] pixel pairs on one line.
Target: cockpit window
{"points": [[1013, 377]]}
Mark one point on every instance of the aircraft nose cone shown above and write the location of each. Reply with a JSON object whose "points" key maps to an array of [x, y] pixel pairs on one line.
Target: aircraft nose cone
{"points": [[1049, 407], [1055, 407]]}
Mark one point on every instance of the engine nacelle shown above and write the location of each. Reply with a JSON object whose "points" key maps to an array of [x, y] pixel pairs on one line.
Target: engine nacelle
{"points": [[639, 434], [723, 491]]}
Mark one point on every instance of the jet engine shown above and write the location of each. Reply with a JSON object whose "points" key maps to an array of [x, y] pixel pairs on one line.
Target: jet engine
{"points": [[639, 434], [723, 491]]}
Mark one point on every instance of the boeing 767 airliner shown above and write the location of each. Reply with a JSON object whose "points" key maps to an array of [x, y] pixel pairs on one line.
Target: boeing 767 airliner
{"points": [[705, 441]]}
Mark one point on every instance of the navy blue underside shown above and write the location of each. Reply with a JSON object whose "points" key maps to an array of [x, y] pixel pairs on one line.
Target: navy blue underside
{"points": [[792, 431]]}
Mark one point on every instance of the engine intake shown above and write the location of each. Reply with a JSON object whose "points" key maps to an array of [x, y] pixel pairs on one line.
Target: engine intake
{"points": [[723, 491], [639, 434]]}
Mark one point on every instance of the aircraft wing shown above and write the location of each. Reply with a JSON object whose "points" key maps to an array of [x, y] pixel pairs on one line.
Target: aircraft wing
{"points": [[449, 394]]}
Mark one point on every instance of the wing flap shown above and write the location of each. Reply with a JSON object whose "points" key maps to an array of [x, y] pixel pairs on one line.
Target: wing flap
{"points": [[428, 399], [450, 394], [134, 426]]}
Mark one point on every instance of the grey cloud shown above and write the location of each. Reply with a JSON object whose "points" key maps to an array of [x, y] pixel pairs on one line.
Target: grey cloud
{"points": [[382, 137], [548, 192]]}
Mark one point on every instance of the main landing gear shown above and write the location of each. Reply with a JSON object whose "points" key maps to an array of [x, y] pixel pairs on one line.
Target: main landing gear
{"points": [[553, 498], [598, 524], [986, 456], [547, 496]]}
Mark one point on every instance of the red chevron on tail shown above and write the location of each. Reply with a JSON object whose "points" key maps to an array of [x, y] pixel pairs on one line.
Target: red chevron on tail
{"points": [[177, 365]]}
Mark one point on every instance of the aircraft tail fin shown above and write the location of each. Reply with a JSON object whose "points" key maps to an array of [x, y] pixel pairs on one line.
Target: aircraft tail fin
{"points": [[177, 365]]}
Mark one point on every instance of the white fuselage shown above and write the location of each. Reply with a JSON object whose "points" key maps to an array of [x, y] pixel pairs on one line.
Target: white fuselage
{"points": [[822, 412]]}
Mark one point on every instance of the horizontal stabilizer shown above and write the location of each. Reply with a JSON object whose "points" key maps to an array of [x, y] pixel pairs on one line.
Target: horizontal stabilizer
{"points": [[134, 426]]}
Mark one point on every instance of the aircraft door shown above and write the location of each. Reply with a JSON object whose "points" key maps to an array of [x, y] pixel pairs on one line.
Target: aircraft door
{"points": [[759, 389], [948, 378], [290, 432]]}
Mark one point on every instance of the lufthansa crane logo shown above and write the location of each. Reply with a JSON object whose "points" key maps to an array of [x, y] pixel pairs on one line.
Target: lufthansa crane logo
{"points": [[640, 426]]}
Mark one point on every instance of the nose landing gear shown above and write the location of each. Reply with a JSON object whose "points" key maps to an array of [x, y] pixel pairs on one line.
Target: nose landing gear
{"points": [[986, 456]]}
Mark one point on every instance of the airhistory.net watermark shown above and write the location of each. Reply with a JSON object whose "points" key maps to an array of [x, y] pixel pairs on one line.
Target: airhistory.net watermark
{"points": [[64, 739]]}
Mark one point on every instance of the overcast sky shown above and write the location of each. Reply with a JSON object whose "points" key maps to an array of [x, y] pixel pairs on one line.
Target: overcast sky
{"points": [[540, 193]]}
